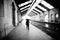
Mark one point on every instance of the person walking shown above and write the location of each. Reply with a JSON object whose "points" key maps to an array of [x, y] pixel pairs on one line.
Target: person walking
{"points": [[27, 23]]}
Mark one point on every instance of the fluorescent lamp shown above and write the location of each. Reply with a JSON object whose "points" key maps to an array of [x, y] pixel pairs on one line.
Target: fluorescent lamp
{"points": [[24, 10], [24, 3], [41, 8], [47, 5], [24, 7], [38, 10]]}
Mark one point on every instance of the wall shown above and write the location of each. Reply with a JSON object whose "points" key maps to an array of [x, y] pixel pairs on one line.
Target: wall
{"points": [[8, 15], [1, 18], [6, 20]]}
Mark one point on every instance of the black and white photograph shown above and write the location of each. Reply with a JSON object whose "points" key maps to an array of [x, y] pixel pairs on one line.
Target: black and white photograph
{"points": [[29, 20]]}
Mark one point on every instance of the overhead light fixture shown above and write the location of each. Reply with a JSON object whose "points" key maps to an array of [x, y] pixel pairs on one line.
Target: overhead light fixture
{"points": [[41, 8], [35, 4], [24, 3], [25, 7], [38, 10], [47, 5], [24, 10]]}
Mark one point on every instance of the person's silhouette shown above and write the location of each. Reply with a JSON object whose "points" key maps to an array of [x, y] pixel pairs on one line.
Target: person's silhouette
{"points": [[27, 23]]}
